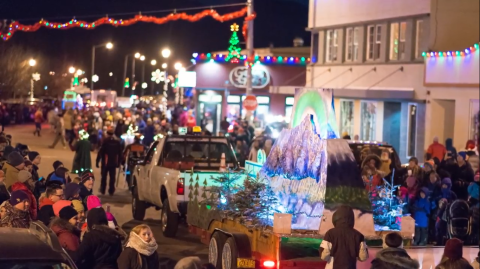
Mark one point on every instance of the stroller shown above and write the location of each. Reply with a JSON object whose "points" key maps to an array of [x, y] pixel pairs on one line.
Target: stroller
{"points": [[458, 220]]}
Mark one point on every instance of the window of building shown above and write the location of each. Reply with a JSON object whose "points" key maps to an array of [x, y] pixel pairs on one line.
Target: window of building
{"points": [[368, 119], [332, 45], [398, 32], [374, 42], [352, 44], [314, 48], [289, 107], [346, 117], [412, 130], [419, 39]]}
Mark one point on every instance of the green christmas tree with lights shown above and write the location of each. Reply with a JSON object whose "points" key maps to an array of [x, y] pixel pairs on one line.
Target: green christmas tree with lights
{"points": [[234, 49]]}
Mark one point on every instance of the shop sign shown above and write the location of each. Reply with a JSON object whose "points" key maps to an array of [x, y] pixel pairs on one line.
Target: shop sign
{"points": [[260, 77], [250, 103]]}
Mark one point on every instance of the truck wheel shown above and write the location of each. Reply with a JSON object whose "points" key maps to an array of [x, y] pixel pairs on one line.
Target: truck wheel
{"points": [[229, 254], [215, 247], [138, 207], [170, 220]]}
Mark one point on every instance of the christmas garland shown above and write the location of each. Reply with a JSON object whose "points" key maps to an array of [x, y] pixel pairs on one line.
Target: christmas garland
{"points": [[16, 26]]}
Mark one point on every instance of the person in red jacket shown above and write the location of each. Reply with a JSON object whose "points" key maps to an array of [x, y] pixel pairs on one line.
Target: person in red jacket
{"points": [[436, 150], [65, 227], [25, 183]]}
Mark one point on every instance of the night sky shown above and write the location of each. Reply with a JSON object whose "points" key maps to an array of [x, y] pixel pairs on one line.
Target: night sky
{"points": [[278, 22]]}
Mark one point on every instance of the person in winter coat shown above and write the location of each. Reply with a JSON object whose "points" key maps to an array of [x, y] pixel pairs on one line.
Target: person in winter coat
{"points": [[452, 257], [393, 256], [53, 194], [110, 155], [65, 227], [450, 148], [86, 186], [4, 193], [82, 160], [140, 251], [60, 177], [447, 192], [436, 149], [462, 176], [148, 133], [72, 191], [101, 245], [36, 159], [26, 184], [474, 189], [56, 165], [434, 187], [413, 166], [15, 163], [94, 202], [16, 211], [421, 210], [342, 246], [78, 205], [60, 131]]}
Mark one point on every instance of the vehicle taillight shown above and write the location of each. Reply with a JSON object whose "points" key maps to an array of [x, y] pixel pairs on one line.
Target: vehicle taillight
{"points": [[180, 187], [268, 264]]}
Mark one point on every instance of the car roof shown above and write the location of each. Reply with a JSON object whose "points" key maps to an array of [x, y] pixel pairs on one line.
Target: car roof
{"points": [[189, 138], [27, 244], [364, 142]]}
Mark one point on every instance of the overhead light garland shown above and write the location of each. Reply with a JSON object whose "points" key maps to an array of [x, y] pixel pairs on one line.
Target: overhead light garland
{"points": [[244, 59], [73, 23], [459, 53]]}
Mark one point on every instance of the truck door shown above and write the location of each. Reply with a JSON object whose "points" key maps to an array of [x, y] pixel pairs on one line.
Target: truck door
{"points": [[145, 172]]}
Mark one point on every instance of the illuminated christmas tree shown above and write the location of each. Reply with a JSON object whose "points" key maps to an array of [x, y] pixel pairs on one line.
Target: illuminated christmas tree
{"points": [[234, 49]]}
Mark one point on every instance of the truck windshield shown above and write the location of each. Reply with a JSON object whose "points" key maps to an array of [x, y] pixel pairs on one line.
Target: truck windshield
{"points": [[203, 153]]}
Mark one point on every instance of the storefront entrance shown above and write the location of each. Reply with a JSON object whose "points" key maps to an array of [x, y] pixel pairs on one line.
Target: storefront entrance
{"points": [[210, 111]]}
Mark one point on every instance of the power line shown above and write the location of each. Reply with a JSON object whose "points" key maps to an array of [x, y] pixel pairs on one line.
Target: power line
{"points": [[172, 10]]}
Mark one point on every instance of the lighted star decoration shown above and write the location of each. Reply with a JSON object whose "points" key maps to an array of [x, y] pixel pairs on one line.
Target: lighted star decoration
{"points": [[158, 76], [234, 27]]}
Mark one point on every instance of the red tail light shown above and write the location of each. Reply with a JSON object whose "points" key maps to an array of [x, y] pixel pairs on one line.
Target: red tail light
{"points": [[180, 187], [268, 264]]}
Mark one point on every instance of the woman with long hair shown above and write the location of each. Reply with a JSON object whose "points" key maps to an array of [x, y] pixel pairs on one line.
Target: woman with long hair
{"points": [[453, 256], [140, 251]]}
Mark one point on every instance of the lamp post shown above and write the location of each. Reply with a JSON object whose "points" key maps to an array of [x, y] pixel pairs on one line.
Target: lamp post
{"points": [[166, 52], [35, 77], [109, 46], [142, 58]]}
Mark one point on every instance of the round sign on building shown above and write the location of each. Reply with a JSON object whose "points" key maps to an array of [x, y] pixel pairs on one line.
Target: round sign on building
{"points": [[250, 103]]}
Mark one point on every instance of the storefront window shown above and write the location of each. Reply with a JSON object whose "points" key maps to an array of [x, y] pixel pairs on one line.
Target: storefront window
{"points": [[346, 117], [368, 120], [412, 130], [289, 107], [475, 120]]}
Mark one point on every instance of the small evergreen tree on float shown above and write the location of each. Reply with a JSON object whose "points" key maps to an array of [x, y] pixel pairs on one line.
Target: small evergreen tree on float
{"points": [[234, 49]]}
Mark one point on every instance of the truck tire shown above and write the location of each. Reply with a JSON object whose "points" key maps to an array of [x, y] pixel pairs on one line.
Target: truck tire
{"points": [[138, 207], [229, 254], [215, 248], [170, 220]]}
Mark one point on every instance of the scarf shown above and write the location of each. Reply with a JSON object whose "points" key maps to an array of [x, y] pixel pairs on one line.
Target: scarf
{"points": [[142, 247]]}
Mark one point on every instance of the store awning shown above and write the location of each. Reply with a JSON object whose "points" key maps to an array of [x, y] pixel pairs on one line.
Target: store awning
{"points": [[357, 93]]}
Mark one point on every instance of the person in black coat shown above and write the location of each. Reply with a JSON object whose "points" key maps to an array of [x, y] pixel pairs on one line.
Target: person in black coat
{"points": [[86, 186], [393, 256], [140, 251], [110, 155], [101, 245], [56, 164]]}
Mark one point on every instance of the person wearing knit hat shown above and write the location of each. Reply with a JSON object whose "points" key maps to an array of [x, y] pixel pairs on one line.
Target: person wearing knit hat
{"points": [[15, 163], [56, 165], [36, 159], [393, 255], [447, 193], [32, 155], [453, 255], [86, 186], [78, 205], [65, 227], [17, 211], [26, 184], [72, 191], [93, 202], [59, 205], [60, 176], [28, 165], [99, 239]]}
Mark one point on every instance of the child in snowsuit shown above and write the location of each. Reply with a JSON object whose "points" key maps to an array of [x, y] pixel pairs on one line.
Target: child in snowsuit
{"points": [[421, 210], [343, 245]]}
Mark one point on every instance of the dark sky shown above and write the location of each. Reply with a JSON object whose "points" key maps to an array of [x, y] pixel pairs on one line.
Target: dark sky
{"points": [[278, 22]]}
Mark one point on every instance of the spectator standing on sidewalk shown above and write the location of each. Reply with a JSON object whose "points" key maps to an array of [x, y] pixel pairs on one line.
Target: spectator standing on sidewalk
{"points": [[15, 163], [453, 256], [26, 184], [60, 132], [393, 256], [140, 251], [436, 150], [16, 211], [38, 118], [109, 155], [65, 227]]}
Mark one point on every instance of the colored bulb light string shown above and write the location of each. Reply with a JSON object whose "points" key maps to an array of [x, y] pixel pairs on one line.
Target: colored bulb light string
{"points": [[458, 53]]}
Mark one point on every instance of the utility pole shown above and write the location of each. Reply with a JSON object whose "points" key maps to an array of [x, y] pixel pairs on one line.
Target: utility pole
{"points": [[132, 83], [124, 74], [93, 68], [249, 46]]}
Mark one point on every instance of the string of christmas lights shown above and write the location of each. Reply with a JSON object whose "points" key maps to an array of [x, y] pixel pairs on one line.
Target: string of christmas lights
{"points": [[73, 23], [459, 53], [243, 59]]}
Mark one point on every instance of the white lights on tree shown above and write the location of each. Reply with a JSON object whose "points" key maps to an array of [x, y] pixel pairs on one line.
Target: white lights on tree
{"points": [[95, 78], [71, 70], [144, 85], [164, 65], [158, 76], [79, 72]]}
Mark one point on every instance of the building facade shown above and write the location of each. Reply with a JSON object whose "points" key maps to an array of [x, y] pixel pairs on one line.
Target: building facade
{"points": [[370, 53]]}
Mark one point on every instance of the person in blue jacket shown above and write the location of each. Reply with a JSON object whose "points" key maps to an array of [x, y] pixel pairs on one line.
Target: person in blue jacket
{"points": [[421, 210]]}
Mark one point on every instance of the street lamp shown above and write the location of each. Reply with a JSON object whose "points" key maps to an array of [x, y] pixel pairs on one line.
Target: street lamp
{"points": [[110, 74], [164, 65], [166, 53], [71, 70], [109, 46], [153, 62], [178, 66], [79, 72], [32, 62], [95, 78], [142, 58], [137, 55]]}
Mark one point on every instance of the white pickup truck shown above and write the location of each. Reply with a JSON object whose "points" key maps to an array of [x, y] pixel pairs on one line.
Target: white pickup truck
{"points": [[159, 180]]}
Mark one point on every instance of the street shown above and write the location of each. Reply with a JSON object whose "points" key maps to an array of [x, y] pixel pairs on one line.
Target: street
{"points": [[170, 250]]}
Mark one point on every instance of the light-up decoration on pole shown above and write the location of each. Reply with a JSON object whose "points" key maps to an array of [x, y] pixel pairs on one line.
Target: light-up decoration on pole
{"points": [[95, 78], [129, 137], [158, 76], [234, 50], [127, 83], [144, 85]]}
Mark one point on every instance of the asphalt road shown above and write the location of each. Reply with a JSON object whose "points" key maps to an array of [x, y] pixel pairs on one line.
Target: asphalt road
{"points": [[170, 249]]}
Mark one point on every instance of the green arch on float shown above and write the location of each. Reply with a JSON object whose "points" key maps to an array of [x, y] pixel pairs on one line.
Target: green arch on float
{"points": [[312, 100]]}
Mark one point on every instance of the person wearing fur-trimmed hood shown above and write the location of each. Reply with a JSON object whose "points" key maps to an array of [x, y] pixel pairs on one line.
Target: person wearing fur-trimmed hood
{"points": [[140, 251], [65, 228], [393, 256]]}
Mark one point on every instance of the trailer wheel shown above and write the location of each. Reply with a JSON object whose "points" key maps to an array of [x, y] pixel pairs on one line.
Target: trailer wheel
{"points": [[170, 220], [138, 207], [215, 247], [229, 254]]}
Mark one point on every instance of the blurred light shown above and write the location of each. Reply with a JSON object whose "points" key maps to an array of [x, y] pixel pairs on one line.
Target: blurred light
{"points": [[79, 72], [137, 55], [52, 73], [32, 62], [166, 53], [110, 74], [178, 66], [95, 78], [142, 58], [164, 65], [109, 45], [71, 70], [144, 85], [182, 69], [153, 62], [45, 88], [195, 55]]}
